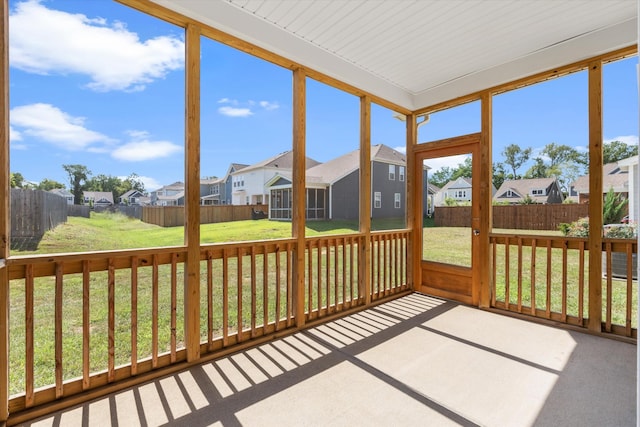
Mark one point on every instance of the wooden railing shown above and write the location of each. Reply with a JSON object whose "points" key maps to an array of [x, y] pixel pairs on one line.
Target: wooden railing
{"points": [[88, 320], [547, 277]]}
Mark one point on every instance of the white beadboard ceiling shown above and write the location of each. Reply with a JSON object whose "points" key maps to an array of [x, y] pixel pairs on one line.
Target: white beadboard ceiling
{"points": [[418, 53]]}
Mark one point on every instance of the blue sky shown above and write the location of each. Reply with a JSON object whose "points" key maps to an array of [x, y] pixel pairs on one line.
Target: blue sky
{"points": [[99, 84]]}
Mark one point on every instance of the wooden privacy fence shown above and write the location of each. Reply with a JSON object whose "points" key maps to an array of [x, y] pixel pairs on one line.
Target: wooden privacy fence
{"points": [[173, 216], [34, 212], [79, 210], [516, 217]]}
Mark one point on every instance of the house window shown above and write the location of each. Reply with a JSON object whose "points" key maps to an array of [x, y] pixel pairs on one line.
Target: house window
{"points": [[377, 199], [396, 200], [460, 194], [537, 192], [510, 193], [401, 174], [392, 172]]}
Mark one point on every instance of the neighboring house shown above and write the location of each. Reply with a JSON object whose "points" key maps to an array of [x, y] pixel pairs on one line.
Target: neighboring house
{"points": [[169, 195], [211, 191], [429, 203], [63, 193], [227, 183], [540, 190], [613, 176], [458, 190], [133, 198], [630, 166], [248, 184], [98, 198], [332, 188]]}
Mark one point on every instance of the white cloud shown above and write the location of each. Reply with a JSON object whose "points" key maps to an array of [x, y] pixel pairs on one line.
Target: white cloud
{"points": [[141, 148], [440, 162], [235, 112], [629, 139], [14, 134], [50, 124], [47, 41], [269, 106], [148, 182]]}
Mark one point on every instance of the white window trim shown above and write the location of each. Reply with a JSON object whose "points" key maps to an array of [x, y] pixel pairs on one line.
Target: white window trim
{"points": [[397, 200], [377, 200], [401, 174], [392, 172]]}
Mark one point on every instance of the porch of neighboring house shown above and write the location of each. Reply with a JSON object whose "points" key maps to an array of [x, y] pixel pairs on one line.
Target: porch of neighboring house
{"points": [[402, 362], [338, 329]]}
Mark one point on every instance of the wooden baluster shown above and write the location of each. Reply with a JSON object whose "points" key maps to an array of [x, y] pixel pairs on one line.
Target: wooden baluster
{"points": [[520, 275], [581, 282], [154, 312], [225, 297], [265, 289], [548, 301], [564, 281], [209, 301], [58, 330], [494, 261], [29, 356], [111, 320], [289, 286], [278, 284], [609, 286], [174, 305], [629, 289], [239, 283], [533, 277], [507, 272], [254, 292], [134, 315], [319, 278]]}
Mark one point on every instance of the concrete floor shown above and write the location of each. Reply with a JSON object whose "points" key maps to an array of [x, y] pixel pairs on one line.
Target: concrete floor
{"points": [[413, 361]]}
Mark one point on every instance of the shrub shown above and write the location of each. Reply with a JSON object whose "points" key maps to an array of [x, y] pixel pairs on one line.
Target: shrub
{"points": [[621, 231]]}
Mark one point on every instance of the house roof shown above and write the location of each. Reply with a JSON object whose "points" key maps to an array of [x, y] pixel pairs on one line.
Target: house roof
{"points": [[61, 192], [612, 177], [331, 171], [282, 161], [460, 182], [384, 47], [98, 195], [523, 187], [176, 196], [130, 193], [176, 186]]}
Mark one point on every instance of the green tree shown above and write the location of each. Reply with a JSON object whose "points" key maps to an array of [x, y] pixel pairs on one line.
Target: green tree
{"points": [[16, 180], [617, 150], [78, 176], [105, 183], [499, 175], [613, 207], [463, 170], [49, 184], [441, 176], [515, 157], [538, 170]]}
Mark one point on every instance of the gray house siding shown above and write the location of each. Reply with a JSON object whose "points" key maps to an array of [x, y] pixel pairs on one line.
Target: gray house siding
{"points": [[344, 197], [387, 188]]}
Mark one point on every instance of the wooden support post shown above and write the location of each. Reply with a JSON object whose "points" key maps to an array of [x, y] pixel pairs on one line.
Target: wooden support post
{"points": [[482, 292], [364, 258], [192, 195], [595, 202], [299, 191], [415, 206], [5, 211]]}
